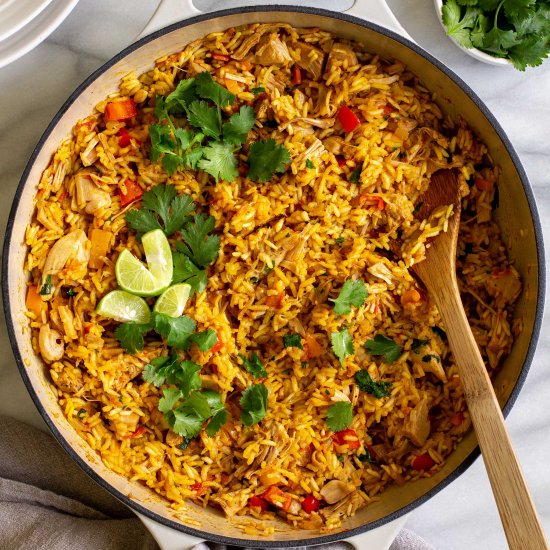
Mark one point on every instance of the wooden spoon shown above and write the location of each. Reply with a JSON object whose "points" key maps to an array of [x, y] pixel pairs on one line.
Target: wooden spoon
{"points": [[438, 273]]}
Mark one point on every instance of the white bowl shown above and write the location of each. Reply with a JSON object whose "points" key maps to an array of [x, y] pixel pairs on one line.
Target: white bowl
{"points": [[472, 52]]}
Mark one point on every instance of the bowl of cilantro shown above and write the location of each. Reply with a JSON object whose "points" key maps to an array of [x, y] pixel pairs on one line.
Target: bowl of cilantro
{"points": [[513, 33]]}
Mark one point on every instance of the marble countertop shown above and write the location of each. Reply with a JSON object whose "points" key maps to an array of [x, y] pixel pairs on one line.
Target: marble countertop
{"points": [[33, 88]]}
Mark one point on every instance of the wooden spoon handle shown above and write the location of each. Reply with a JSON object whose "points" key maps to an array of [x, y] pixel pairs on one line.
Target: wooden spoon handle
{"points": [[517, 512]]}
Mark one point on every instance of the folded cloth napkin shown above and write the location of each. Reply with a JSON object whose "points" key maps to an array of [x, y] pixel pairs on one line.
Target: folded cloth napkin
{"points": [[48, 503]]}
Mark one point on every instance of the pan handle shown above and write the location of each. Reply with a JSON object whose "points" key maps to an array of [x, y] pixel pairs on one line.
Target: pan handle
{"points": [[377, 11], [171, 11], [167, 538]]}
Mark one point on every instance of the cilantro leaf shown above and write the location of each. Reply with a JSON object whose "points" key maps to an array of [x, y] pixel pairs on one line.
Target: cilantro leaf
{"points": [[155, 372], [384, 346], [219, 161], [417, 344], [309, 164], [190, 415], [161, 141], [292, 341], [352, 293], [130, 335], [176, 330], [254, 404], [200, 247], [258, 90], [459, 26], [208, 89], [185, 271], [205, 340], [47, 286], [498, 41], [239, 124], [170, 396], [207, 118], [267, 157], [161, 201], [342, 344], [177, 101], [216, 422], [368, 385], [530, 52], [339, 416], [254, 365]]}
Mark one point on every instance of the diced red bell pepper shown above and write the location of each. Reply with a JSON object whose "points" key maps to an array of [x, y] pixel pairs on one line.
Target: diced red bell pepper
{"points": [[139, 431], [348, 119], [278, 498], [198, 488], [388, 110], [124, 140], [341, 160], [218, 345], [120, 110], [296, 75], [457, 419], [378, 201], [220, 57], [423, 462], [484, 184], [257, 502], [133, 192], [347, 437], [310, 504]]}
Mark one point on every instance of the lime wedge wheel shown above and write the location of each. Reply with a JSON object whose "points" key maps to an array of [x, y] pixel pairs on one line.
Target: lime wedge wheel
{"points": [[134, 277], [173, 300], [159, 256], [124, 307]]}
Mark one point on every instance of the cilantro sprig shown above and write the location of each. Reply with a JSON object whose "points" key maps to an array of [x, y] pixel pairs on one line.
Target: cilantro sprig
{"points": [[254, 365], [254, 404], [515, 29], [292, 341], [186, 406], [206, 138], [381, 345], [352, 293], [342, 344]]}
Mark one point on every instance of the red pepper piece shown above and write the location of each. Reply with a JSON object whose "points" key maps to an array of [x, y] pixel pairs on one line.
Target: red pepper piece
{"points": [[347, 437], [348, 119], [423, 462], [139, 431], [310, 504], [133, 193], [341, 160], [457, 419], [124, 140], [388, 110], [257, 502], [218, 345], [120, 110]]}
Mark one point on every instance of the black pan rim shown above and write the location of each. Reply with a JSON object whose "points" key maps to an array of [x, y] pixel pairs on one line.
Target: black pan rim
{"points": [[262, 9]]}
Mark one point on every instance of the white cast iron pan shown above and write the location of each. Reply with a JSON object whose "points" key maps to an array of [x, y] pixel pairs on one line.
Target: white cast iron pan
{"points": [[370, 22]]}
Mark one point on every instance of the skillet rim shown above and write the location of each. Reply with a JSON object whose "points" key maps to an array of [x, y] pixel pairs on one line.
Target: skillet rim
{"points": [[541, 286]]}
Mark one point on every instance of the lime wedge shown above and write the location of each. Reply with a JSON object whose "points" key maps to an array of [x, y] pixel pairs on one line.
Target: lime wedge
{"points": [[173, 300], [134, 277], [123, 307], [159, 256]]}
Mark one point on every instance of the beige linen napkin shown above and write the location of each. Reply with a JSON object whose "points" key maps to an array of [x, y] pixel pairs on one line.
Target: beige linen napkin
{"points": [[48, 503]]}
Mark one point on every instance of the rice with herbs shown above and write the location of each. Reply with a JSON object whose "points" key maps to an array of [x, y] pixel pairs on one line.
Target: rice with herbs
{"points": [[287, 247]]}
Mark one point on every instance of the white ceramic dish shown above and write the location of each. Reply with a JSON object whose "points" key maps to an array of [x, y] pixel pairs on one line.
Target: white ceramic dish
{"points": [[472, 52], [35, 31], [15, 14]]}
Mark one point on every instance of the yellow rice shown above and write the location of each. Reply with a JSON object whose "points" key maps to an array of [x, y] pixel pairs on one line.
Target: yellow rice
{"points": [[296, 239]]}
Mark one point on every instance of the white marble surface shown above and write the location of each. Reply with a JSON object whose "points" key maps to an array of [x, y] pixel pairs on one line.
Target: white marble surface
{"points": [[462, 516]]}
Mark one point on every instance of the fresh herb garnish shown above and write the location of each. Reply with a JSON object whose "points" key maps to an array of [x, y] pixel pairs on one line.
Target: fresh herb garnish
{"points": [[339, 240], [440, 332], [186, 407], [161, 203], [208, 142], [515, 29], [339, 416], [185, 271], [367, 457], [342, 344], [292, 341], [176, 330], [258, 90], [384, 346], [352, 293], [254, 404], [266, 158], [130, 335], [47, 287], [198, 245], [365, 382], [417, 344], [354, 177], [309, 164], [429, 356], [254, 365], [71, 292], [81, 413]]}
